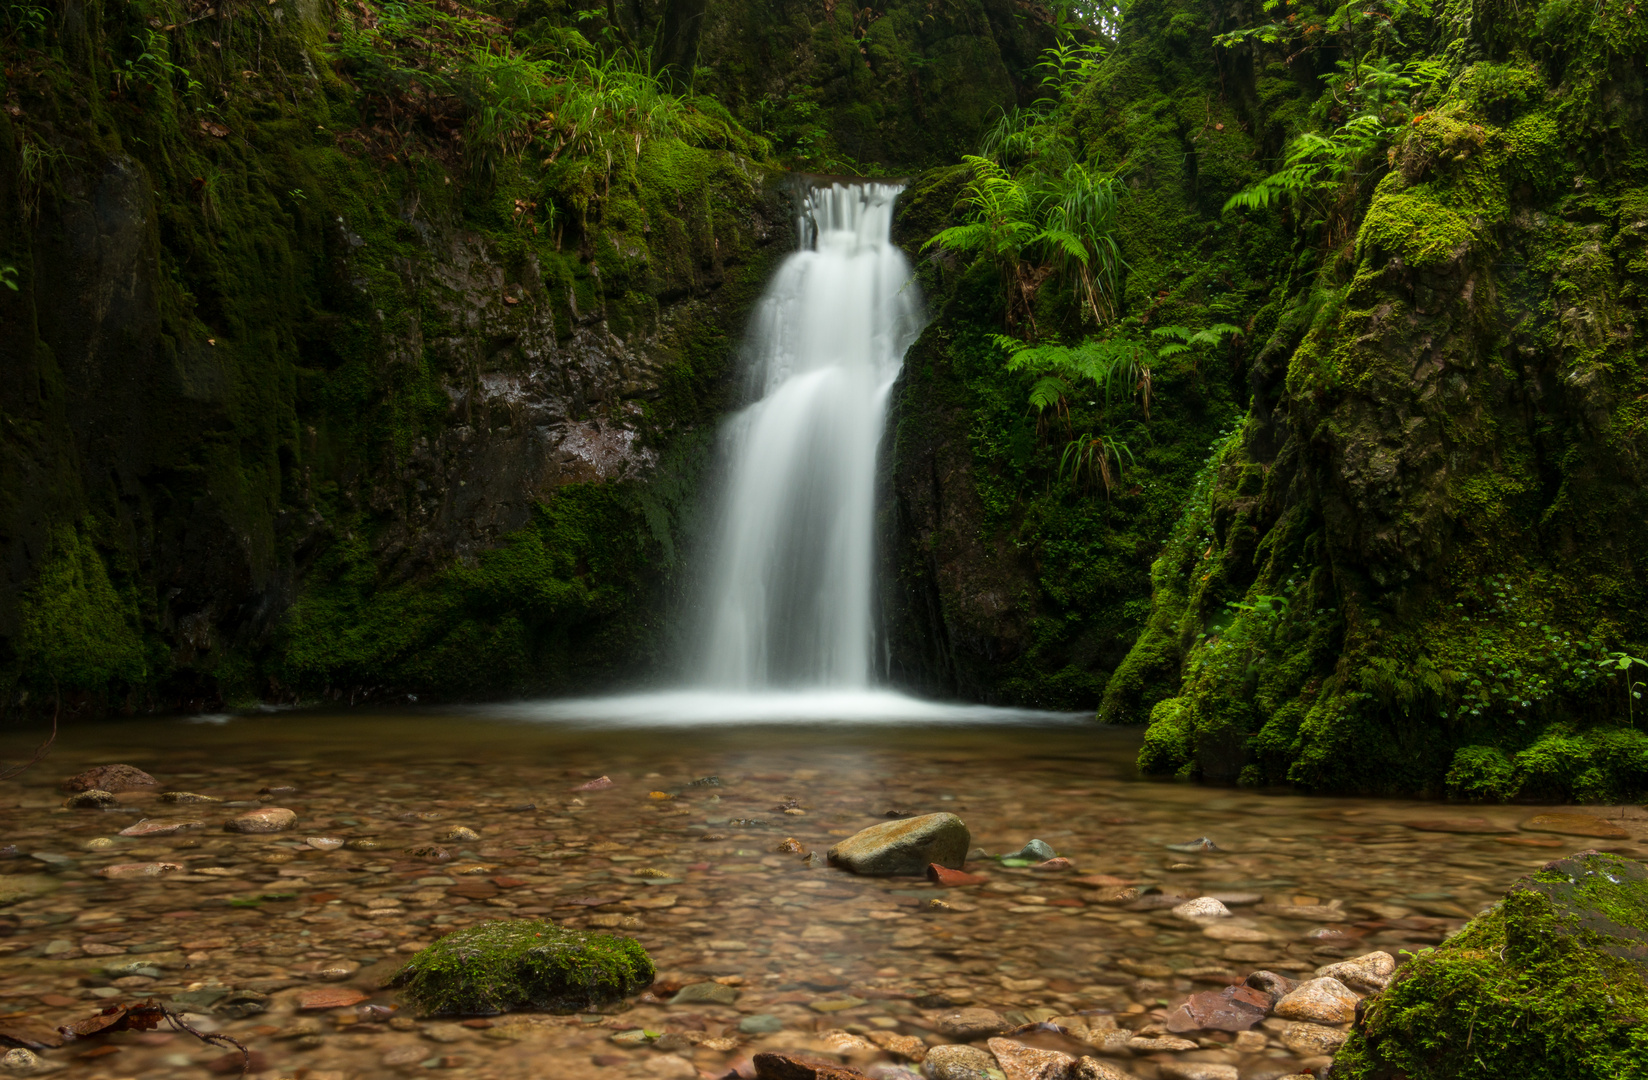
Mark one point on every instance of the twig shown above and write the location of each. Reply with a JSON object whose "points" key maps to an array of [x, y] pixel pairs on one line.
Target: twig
{"points": [[45, 747], [179, 1024]]}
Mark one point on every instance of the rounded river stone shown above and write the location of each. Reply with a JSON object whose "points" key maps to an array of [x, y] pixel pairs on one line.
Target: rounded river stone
{"points": [[905, 847]]}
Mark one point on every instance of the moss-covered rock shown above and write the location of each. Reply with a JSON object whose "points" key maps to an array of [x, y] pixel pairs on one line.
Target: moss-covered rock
{"points": [[1549, 984], [532, 964]]}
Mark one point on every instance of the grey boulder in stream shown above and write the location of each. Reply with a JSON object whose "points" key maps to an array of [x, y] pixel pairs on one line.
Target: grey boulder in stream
{"points": [[905, 847]]}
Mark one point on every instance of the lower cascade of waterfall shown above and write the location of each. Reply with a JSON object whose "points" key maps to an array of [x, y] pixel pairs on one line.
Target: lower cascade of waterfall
{"points": [[786, 628]]}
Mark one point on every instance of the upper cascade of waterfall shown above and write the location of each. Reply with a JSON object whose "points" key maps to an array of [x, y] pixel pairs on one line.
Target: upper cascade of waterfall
{"points": [[789, 593]]}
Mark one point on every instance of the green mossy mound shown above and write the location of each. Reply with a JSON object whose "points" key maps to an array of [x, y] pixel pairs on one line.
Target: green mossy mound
{"points": [[503, 966], [1550, 983]]}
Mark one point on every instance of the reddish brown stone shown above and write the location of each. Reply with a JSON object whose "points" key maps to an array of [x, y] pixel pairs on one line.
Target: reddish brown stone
{"points": [[947, 877], [112, 778], [797, 1067], [596, 784], [1058, 862], [1235, 1008], [330, 997]]}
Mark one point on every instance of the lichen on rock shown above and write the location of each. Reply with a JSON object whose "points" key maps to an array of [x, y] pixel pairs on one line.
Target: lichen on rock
{"points": [[502, 966], [1552, 982]]}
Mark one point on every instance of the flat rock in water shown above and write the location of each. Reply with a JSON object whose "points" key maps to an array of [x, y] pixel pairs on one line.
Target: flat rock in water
{"points": [[705, 993], [904, 847], [1576, 825], [959, 1062], [15, 887], [330, 997], [1313, 1040], [29, 1033], [141, 870], [1198, 1070], [1235, 1008], [152, 827], [970, 1024], [1028, 1063], [91, 800], [1203, 907], [1456, 825], [111, 778], [778, 1066], [267, 820], [185, 797]]}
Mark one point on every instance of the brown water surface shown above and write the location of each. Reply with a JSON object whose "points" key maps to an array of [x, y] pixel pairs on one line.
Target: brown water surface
{"points": [[816, 959]]}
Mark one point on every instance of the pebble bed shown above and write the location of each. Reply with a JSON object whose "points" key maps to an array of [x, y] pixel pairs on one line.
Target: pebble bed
{"points": [[708, 848]]}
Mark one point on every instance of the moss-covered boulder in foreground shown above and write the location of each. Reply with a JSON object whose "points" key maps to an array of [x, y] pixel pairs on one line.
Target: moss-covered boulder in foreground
{"points": [[1550, 983], [530, 964]]}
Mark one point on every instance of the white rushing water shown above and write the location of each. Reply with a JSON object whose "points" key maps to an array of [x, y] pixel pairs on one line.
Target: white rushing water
{"points": [[789, 587], [786, 626]]}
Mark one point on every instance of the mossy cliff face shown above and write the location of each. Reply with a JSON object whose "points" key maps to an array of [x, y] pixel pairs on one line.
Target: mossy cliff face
{"points": [[1409, 567], [1552, 982], [1002, 579], [301, 400]]}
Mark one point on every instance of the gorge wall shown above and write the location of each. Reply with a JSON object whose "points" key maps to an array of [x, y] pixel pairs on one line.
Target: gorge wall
{"points": [[338, 365], [1402, 550]]}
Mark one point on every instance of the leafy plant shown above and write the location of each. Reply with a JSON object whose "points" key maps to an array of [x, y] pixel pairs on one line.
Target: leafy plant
{"points": [[1036, 227], [1373, 95], [8, 277], [1623, 663]]}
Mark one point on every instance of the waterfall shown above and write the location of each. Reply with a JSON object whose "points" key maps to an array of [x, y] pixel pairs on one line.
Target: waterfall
{"points": [[790, 578]]}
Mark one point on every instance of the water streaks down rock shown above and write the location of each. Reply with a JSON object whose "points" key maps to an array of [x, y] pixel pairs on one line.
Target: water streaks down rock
{"points": [[904, 847]]}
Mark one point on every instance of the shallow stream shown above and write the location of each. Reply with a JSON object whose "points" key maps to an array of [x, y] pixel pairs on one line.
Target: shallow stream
{"points": [[800, 957]]}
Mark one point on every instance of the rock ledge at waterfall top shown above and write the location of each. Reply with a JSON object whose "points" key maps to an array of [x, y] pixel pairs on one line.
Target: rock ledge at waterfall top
{"points": [[905, 847], [1551, 982]]}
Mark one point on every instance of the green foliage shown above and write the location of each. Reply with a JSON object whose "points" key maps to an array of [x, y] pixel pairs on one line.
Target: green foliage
{"points": [[1542, 986], [1372, 97], [8, 277], [78, 631], [505, 965]]}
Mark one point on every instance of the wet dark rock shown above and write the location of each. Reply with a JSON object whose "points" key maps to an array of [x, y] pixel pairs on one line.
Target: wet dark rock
{"points": [[111, 778], [1194, 847], [1277, 986], [91, 800], [1034, 851], [239, 1004], [904, 847]]}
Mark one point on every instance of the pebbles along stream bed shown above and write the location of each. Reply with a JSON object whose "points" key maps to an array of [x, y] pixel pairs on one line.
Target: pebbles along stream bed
{"points": [[410, 825]]}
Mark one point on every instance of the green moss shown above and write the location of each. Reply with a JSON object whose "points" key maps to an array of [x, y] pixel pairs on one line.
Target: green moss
{"points": [[1481, 773], [497, 967], [1548, 985], [77, 630]]}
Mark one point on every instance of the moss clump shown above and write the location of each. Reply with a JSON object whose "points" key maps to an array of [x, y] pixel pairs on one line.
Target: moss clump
{"points": [[1549, 983], [500, 966]]}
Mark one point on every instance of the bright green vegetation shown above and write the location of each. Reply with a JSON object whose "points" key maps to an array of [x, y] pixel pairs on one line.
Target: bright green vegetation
{"points": [[1547, 984], [1036, 474], [495, 967], [1412, 567]]}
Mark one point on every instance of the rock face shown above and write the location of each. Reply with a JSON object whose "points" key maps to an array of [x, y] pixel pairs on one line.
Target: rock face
{"points": [[529, 964], [111, 778], [1551, 984], [905, 847]]}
